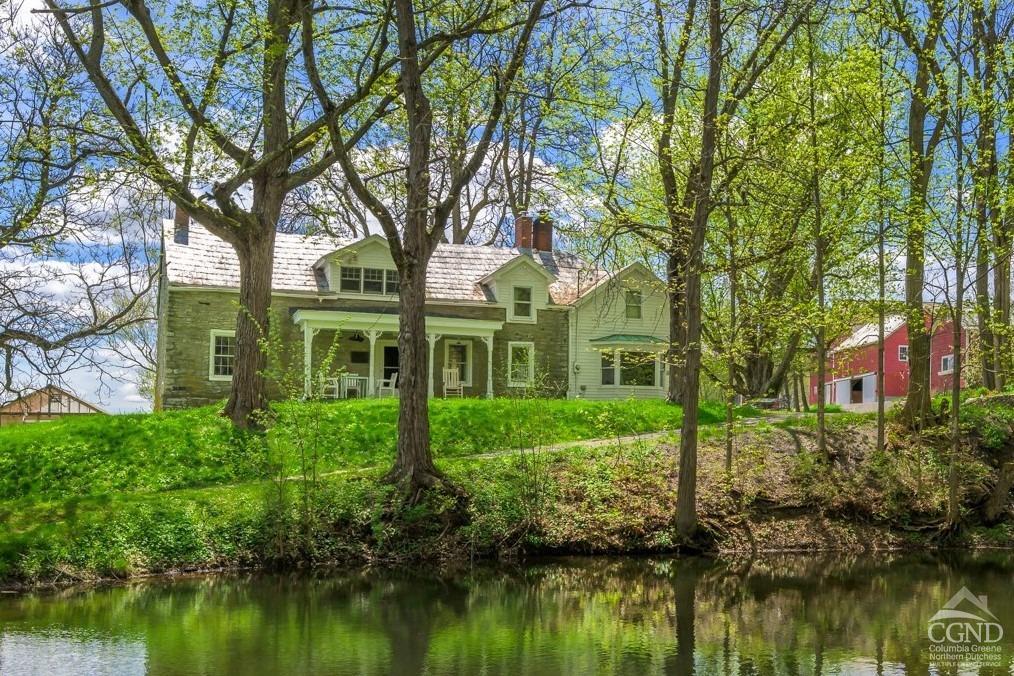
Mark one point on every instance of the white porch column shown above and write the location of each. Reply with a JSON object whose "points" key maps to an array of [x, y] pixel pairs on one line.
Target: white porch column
{"points": [[307, 355], [372, 335], [432, 339], [489, 365]]}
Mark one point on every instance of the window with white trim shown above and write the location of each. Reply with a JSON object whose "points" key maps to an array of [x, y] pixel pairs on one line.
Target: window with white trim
{"points": [[608, 367], [633, 304], [376, 281], [903, 353], [222, 355], [522, 307], [630, 368], [947, 364], [351, 279], [520, 364], [458, 355], [392, 282], [373, 280], [637, 368]]}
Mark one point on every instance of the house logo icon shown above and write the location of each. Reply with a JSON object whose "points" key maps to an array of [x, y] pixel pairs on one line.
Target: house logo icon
{"points": [[965, 619]]}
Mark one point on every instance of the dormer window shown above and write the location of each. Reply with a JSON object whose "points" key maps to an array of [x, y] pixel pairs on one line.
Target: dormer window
{"points": [[351, 279], [377, 281], [392, 285], [373, 280], [523, 302]]}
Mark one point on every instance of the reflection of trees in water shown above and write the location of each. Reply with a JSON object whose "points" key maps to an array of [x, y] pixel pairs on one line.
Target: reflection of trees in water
{"points": [[778, 615]]}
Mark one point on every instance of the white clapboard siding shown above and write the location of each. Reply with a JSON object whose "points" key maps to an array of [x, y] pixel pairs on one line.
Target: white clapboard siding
{"points": [[521, 275], [604, 314]]}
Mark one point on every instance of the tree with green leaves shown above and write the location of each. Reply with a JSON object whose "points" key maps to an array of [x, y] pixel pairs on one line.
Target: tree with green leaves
{"points": [[919, 27], [433, 91], [212, 99]]}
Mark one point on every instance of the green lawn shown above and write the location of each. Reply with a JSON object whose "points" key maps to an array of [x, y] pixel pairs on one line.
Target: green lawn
{"points": [[102, 455]]}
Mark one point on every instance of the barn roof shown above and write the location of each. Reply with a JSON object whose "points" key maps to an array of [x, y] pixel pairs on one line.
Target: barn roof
{"points": [[868, 334]]}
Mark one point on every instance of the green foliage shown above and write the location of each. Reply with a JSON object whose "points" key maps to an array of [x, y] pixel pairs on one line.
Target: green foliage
{"points": [[993, 423], [594, 499], [90, 456], [94, 455]]}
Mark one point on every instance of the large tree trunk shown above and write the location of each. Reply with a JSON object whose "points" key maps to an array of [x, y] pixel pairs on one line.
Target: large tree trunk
{"points": [[686, 497], [819, 252], [953, 501], [413, 467], [677, 328], [247, 396], [917, 405], [920, 165], [985, 168], [1002, 302], [984, 316]]}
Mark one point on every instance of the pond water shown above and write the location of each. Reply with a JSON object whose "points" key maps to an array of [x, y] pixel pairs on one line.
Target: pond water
{"points": [[774, 615]]}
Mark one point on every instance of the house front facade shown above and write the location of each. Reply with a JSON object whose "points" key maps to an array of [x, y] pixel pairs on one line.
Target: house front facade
{"points": [[852, 362], [504, 318]]}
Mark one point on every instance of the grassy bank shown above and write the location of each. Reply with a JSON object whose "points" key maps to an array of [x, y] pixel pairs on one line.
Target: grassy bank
{"points": [[603, 499], [103, 455]]}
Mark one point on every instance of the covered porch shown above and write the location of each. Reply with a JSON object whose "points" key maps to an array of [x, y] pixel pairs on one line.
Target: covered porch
{"points": [[368, 348]]}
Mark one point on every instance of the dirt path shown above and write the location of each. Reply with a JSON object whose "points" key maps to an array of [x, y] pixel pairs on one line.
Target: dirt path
{"points": [[552, 448]]}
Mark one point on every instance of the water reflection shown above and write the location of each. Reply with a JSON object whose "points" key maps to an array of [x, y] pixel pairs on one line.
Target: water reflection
{"points": [[783, 615]]}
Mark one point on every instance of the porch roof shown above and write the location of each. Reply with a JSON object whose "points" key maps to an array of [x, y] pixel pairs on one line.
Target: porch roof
{"points": [[385, 321], [627, 339]]}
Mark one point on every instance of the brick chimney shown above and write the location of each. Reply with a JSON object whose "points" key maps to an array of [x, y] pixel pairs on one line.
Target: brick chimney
{"points": [[523, 231], [543, 232], [181, 226]]}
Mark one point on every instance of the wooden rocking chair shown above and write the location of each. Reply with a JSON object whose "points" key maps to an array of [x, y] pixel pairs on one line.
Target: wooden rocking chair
{"points": [[452, 383]]}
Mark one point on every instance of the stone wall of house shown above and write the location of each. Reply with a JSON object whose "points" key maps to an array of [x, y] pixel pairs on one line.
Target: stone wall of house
{"points": [[550, 335], [190, 316]]}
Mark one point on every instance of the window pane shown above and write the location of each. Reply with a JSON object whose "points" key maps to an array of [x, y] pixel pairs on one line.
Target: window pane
{"points": [[637, 368], [522, 301], [373, 280], [393, 285], [521, 367], [633, 304], [351, 279], [224, 356], [608, 370], [457, 358]]}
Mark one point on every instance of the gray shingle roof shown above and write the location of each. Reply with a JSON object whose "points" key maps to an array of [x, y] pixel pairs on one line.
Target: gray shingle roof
{"points": [[454, 271]]}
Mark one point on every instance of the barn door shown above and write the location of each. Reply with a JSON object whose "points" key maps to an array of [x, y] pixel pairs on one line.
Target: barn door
{"points": [[870, 388]]}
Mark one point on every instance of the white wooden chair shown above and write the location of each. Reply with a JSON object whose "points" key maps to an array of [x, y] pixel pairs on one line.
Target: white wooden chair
{"points": [[330, 388], [351, 383], [388, 386], [452, 383]]}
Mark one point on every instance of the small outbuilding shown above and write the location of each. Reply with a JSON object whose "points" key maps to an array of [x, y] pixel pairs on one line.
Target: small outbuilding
{"points": [[46, 403]]}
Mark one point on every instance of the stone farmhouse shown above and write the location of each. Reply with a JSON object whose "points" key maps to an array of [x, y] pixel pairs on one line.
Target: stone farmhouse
{"points": [[498, 319]]}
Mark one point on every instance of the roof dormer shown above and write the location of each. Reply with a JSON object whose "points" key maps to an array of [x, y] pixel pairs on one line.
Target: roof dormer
{"points": [[522, 286], [363, 268]]}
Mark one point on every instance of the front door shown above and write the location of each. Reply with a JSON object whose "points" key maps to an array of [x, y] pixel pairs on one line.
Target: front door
{"points": [[391, 363]]}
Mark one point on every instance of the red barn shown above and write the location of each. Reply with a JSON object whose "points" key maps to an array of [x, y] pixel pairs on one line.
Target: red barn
{"points": [[852, 362]]}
